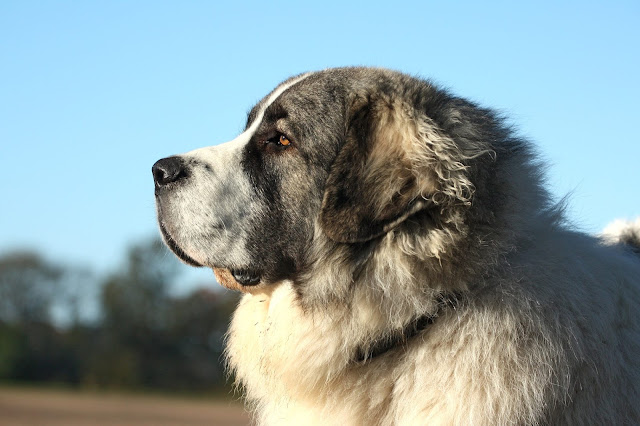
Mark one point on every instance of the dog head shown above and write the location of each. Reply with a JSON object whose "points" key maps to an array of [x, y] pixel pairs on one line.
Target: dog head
{"points": [[347, 153]]}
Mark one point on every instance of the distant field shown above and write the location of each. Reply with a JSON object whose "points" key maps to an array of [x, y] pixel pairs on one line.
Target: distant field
{"points": [[25, 407]]}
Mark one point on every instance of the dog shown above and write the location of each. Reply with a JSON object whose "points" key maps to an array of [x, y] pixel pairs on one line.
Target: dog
{"points": [[402, 263]]}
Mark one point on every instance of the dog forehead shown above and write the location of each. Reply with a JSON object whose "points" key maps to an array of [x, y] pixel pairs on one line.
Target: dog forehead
{"points": [[320, 94], [320, 97], [312, 85], [257, 112]]}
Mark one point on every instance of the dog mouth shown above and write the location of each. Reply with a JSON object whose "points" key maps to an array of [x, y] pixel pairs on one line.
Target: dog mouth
{"points": [[246, 277], [241, 279]]}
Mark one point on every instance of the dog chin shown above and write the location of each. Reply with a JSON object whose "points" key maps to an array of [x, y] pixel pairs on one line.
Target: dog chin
{"points": [[243, 280], [175, 247]]}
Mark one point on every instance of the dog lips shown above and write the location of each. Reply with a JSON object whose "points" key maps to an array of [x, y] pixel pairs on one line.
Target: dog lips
{"points": [[246, 278], [239, 281]]}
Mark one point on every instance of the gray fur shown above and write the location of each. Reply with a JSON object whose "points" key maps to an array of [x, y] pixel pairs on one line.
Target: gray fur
{"points": [[393, 196]]}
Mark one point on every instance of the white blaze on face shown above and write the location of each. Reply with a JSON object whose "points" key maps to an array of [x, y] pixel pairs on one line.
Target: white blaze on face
{"points": [[217, 155], [206, 216]]}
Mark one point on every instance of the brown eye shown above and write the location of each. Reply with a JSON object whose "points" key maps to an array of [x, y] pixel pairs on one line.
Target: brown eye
{"points": [[284, 141], [279, 142]]}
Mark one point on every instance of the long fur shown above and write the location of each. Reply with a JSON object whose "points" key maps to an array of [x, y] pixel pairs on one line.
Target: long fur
{"points": [[623, 232], [546, 334], [431, 207]]}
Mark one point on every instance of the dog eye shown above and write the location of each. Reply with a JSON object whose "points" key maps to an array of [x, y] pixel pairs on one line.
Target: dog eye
{"points": [[284, 141], [280, 140]]}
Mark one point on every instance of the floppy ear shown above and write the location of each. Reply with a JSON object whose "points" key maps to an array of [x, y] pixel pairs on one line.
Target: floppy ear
{"points": [[394, 162]]}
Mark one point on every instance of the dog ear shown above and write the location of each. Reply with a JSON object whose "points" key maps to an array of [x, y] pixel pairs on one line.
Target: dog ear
{"points": [[394, 162]]}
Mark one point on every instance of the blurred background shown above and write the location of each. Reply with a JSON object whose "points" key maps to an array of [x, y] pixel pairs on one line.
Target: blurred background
{"points": [[93, 93]]}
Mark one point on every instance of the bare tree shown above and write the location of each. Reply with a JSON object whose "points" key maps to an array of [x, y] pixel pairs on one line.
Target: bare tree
{"points": [[28, 284]]}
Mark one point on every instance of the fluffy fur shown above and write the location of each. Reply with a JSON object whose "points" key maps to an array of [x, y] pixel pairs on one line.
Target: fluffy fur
{"points": [[425, 277], [622, 231]]}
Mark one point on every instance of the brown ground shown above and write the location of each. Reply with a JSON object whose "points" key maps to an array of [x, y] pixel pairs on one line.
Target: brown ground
{"points": [[26, 407]]}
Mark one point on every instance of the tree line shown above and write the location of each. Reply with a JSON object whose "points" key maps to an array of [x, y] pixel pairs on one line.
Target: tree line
{"points": [[124, 330]]}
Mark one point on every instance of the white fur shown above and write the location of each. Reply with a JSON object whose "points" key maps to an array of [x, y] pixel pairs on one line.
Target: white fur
{"points": [[471, 368], [619, 229]]}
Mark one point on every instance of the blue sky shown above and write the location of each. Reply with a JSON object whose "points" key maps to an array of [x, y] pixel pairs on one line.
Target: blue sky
{"points": [[93, 92]]}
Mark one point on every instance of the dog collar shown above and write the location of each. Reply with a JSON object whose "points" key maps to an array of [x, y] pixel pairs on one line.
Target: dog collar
{"points": [[446, 301]]}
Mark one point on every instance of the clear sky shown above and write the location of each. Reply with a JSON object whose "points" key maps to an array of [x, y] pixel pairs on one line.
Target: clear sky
{"points": [[92, 93]]}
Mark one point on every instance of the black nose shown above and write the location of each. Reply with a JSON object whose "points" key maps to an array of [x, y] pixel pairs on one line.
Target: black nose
{"points": [[167, 170]]}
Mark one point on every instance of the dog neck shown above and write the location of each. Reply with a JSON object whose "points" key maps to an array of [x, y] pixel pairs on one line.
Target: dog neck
{"points": [[446, 302]]}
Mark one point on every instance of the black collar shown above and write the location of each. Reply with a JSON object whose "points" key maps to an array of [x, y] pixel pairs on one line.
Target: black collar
{"points": [[445, 301]]}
